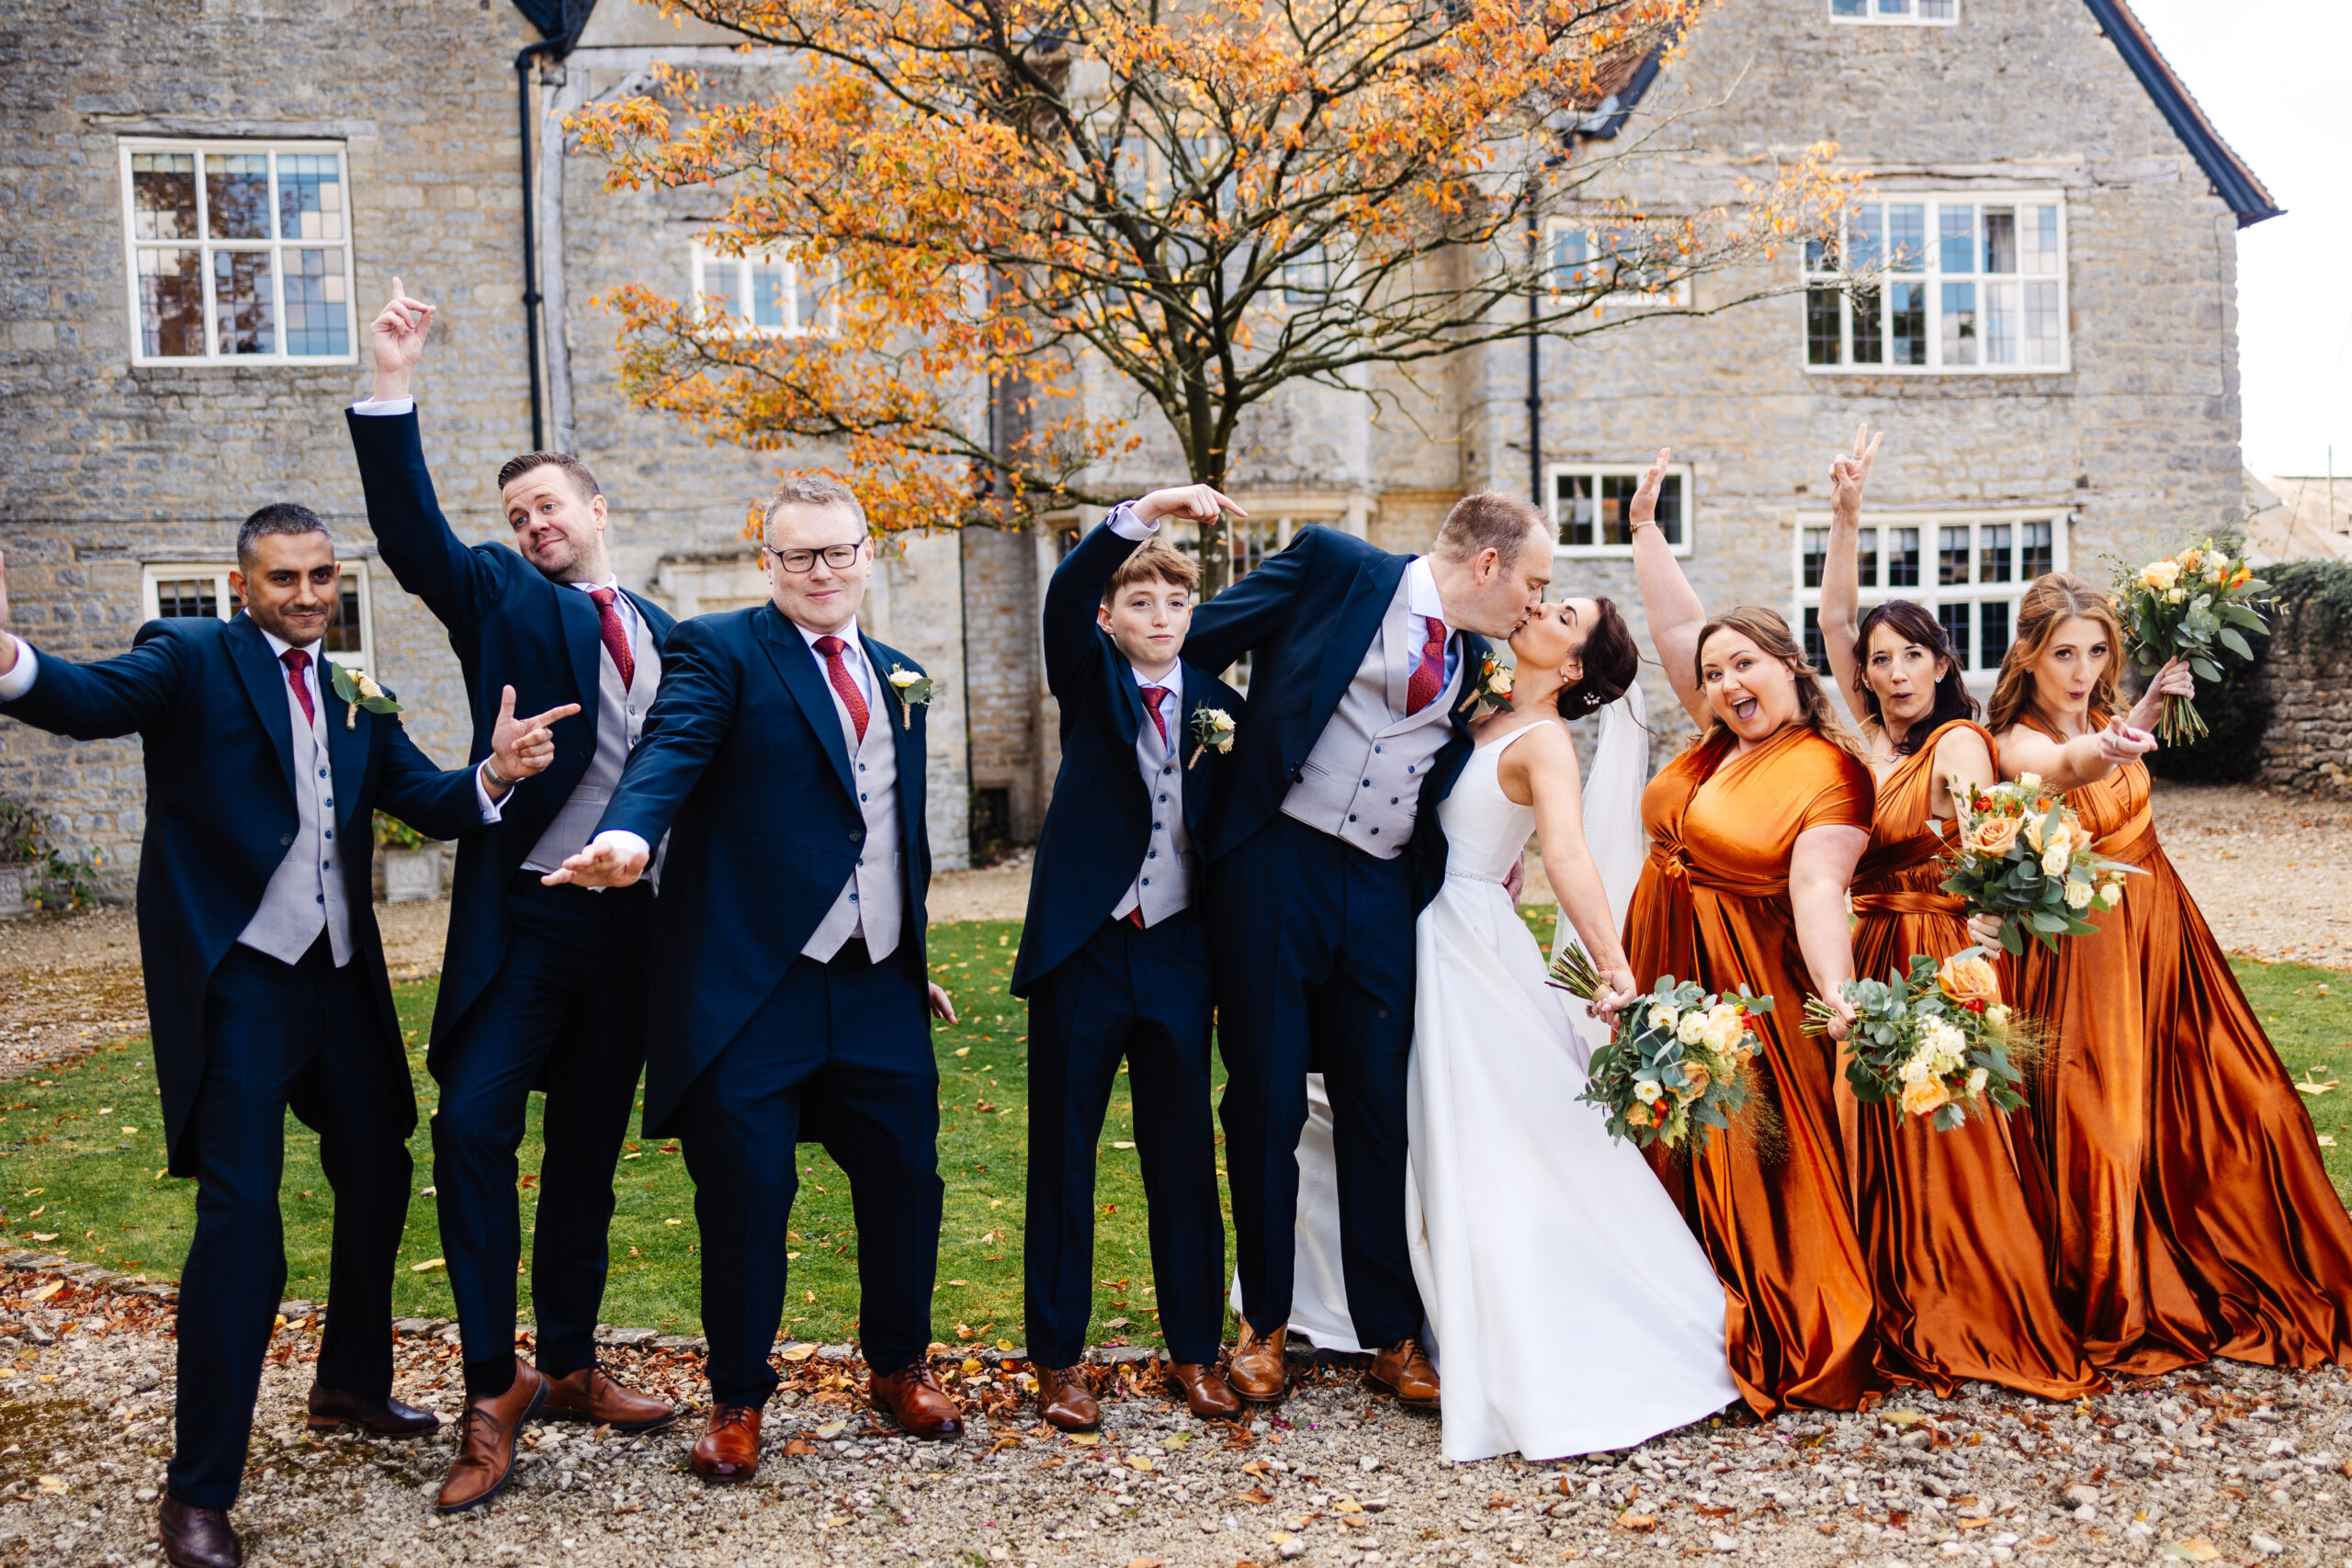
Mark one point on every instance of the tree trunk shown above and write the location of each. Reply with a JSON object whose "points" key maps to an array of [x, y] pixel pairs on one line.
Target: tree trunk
{"points": [[1216, 537]]}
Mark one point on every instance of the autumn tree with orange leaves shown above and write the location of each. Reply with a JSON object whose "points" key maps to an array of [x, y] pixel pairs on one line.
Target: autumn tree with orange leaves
{"points": [[1208, 202]]}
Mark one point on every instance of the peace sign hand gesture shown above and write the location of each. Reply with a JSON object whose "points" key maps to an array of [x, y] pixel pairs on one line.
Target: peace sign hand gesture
{"points": [[1849, 474]]}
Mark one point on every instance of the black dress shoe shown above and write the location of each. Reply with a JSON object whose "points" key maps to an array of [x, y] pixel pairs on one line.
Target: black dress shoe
{"points": [[331, 1408], [198, 1537]]}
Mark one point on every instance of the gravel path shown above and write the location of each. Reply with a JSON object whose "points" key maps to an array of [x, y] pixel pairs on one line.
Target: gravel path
{"points": [[2225, 1463]]}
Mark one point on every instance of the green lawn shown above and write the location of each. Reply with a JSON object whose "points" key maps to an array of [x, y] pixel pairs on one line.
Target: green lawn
{"points": [[71, 1170]]}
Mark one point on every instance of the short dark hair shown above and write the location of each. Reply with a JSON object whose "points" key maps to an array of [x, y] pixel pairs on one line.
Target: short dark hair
{"points": [[1914, 624], [1611, 660], [1490, 520], [581, 480], [1154, 563], [278, 517]]}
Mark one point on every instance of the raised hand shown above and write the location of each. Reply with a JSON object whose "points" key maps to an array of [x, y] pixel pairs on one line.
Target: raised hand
{"points": [[522, 747], [609, 861], [1849, 473], [1200, 503], [1645, 504], [396, 338]]}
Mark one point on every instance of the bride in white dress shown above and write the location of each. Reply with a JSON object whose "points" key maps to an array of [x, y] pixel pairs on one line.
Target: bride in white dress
{"points": [[1570, 1306]]}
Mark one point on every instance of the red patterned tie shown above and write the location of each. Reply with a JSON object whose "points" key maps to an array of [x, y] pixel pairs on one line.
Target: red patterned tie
{"points": [[838, 673], [296, 661], [1152, 697], [615, 635], [1429, 675]]}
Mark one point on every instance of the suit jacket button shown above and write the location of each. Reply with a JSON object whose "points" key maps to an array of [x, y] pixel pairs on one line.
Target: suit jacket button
{"points": [[857, 835], [285, 839]]}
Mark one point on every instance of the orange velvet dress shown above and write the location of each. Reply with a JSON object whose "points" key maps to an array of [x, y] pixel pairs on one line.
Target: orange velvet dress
{"points": [[2087, 1112], [1771, 1214], [1962, 1280]]}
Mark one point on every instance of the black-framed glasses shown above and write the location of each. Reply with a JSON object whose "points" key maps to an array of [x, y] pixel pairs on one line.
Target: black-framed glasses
{"points": [[797, 561]]}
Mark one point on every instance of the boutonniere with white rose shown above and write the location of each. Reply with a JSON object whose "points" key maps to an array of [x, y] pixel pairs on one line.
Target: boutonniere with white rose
{"points": [[914, 689], [1211, 727], [359, 690], [1491, 690]]}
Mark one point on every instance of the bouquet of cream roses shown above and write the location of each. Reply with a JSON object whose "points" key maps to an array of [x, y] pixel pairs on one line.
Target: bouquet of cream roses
{"points": [[2196, 606], [2021, 854], [1933, 1042], [1677, 1060]]}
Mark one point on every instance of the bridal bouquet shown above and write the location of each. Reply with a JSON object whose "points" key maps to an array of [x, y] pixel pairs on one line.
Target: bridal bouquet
{"points": [[2196, 606], [2021, 854], [1677, 1060], [1934, 1042]]}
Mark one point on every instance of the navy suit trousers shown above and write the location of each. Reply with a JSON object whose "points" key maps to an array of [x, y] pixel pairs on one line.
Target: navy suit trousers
{"points": [[1142, 996], [1313, 944], [566, 1011], [304, 1037], [840, 1053]]}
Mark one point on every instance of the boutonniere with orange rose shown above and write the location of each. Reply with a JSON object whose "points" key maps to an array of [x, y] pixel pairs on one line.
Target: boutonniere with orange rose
{"points": [[358, 690], [2021, 855], [1677, 1061], [1933, 1043], [1490, 692], [2196, 606]]}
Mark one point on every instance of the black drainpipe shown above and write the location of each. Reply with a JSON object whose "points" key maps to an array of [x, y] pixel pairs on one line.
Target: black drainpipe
{"points": [[1534, 352], [530, 252]]}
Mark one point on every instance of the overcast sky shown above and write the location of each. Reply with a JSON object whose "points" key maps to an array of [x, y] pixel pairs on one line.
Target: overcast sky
{"points": [[2275, 77]]}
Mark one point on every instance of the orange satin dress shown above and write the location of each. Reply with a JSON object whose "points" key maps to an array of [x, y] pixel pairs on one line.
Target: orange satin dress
{"points": [[1714, 905], [2086, 1122], [1962, 1279]]}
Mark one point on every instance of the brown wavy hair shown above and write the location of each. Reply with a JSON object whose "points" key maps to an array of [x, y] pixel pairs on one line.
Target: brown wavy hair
{"points": [[2050, 604], [1768, 632], [1914, 624]]}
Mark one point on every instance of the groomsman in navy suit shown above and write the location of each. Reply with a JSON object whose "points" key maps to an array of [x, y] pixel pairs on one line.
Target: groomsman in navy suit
{"points": [[265, 983], [542, 987], [784, 760], [1114, 956], [1323, 847]]}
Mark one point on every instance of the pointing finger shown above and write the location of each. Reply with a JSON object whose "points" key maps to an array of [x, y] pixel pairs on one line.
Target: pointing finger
{"points": [[541, 721]]}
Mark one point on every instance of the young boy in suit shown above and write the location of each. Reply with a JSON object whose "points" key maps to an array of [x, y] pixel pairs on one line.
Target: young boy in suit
{"points": [[1114, 960]]}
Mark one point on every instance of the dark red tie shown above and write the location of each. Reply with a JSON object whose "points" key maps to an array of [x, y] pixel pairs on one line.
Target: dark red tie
{"points": [[838, 673], [616, 634], [296, 661], [1428, 676], [1152, 697]]}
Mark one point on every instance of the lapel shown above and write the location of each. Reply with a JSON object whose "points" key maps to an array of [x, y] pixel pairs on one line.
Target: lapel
{"points": [[346, 748], [909, 749], [584, 639], [656, 620], [1199, 692], [1357, 624], [264, 683], [1127, 701], [795, 662]]}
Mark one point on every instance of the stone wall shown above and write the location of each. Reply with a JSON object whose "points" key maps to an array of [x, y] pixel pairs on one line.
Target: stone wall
{"points": [[2308, 677]]}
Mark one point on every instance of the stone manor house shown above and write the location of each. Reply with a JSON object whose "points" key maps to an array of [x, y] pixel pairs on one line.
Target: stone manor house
{"points": [[208, 198]]}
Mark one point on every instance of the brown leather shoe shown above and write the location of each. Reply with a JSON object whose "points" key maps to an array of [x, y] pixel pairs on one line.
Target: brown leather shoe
{"points": [[198, 1537], [1065, 1400], [331, 1408], [1206, 1394], [1404, 1370], [729, 1449], [913, 1397], [1255, 1370], [589, 1395], [486, 1434]]}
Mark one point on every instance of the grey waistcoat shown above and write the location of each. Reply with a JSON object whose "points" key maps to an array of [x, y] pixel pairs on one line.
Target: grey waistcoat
{"points": [[1362, 784], [870, 904], [305, 893], [620, 720], [1164, 883]]}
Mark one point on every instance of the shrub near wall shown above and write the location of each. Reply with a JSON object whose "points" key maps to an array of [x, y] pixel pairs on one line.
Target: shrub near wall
{"points": [[2306, 679]]}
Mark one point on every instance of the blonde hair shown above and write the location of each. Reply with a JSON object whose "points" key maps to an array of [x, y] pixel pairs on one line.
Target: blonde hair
{"points": [[1769, 633], [2050, 604]]}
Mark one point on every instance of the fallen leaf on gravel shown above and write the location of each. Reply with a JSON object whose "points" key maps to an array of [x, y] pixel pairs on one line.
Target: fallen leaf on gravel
{"points": [[431, 1265], [47, 1291], [1255, 1467], [1255, 1496], [799, 1352], [1904, 1417], [1176, 1439], [1147, 1562], [832, 1429], [52, 1483], [1004, 1443], [1279, 1538], [2196, 1549], [1139, 1462], [1084, 1439], [796, 1447], [1630, 1520]]}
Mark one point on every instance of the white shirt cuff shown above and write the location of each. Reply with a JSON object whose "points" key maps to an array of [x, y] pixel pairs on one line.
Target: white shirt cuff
{"points": [[1124, 521], [493, 813], [375, 406], [19, 678]]}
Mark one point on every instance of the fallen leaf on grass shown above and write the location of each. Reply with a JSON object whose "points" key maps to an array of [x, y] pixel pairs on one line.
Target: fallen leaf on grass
{"points": [[2312, 1087], [2196, 1549], [44, 1235], [1123, 1145], [1116, 1322], [430, 1266], [2326, 1142]]}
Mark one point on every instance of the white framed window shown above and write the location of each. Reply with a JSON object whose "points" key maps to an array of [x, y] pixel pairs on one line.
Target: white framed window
{"points": [[1969, 568], [767, 295], [1941, 285], [1584, 255], [1590, 503], [168, 589], [237, 251], [1914, 13]]}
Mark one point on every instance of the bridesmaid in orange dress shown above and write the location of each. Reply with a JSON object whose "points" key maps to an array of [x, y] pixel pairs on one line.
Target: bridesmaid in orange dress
{"points": [[1754, 831], [1962, 1279], [2192, 1212]]}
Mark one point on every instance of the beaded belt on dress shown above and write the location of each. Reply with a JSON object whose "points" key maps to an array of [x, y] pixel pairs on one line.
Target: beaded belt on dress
{"points": [[1476, 876]]}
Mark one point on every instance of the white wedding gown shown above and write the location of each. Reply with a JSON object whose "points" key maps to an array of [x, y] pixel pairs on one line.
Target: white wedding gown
{"points": [[1572, 1308]]}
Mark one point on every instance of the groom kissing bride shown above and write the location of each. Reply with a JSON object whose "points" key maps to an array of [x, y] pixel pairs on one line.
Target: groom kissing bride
{"points": [[1322, 847]]}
